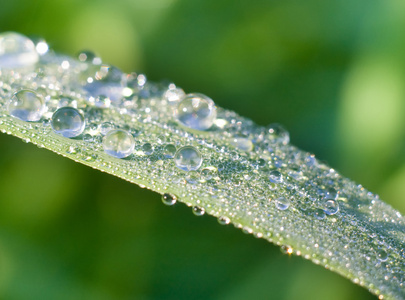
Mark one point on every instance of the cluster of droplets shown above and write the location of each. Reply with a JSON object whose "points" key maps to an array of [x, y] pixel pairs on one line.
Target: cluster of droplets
{"points": [[218, 162]]}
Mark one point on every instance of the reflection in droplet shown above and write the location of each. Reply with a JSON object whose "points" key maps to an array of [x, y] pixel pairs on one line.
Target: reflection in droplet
{"points": [[188, 158], [68, 122]]}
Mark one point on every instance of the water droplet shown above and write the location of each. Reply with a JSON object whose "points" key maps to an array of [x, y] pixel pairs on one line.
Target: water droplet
{"points": [[282, 203], [174, 95], [188, 158], [147, 148], [196, 111], [276, 177], [169, 151], [286, 249], [106, 127], [277, 134], [243, 144], [209, 173], [26, 105], [68, 122], [330, 207], [169, 199], [224, 220], [331, 193], [17, 51], [198, 211], [381, 255], [192, 177], [118, 143], [319, 214]]}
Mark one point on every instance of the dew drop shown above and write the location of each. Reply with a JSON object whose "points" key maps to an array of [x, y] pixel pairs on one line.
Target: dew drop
{"points": [[331, 193], [188, 158], [277, 134], [282, 203], [174, 95], [243, 144], [106, 127], [147, 148], [169, 199], [286, 249], [224, 220], [381, 255], [17, 51], [330, 207], [118, 143], [209, 173], [196, 111], [198, 211], [68, 122], [169, 151], [26, 105], [319, 214], [276, 177]]}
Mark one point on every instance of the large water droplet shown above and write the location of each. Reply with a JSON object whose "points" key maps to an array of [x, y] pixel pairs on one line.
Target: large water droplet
{"points": [[330, 206], [118, 143], [282, 203], [68, 122], [17, 51], [169, 199], [196, 111], [188, 158], [277, 134], [26, 105]]}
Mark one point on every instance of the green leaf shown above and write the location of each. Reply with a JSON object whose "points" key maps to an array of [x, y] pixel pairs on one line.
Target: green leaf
{"points": [[250, 175]]}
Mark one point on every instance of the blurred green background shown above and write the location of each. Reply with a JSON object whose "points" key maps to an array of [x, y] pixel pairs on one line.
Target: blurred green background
{"points": [[333, 72]]}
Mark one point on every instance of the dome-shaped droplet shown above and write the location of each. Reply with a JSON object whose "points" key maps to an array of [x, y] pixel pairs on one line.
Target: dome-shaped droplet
{"points": [[169, 199], [147, 148], [224, 220], [277, 134], [174, 95], [196, 111], [198, 211], [381, 255], [243, 144], [209, 173], [106, 127], [169, 151], [282, 203], [188, 158], [17, 51], [26, 105], [118, 143], [330, 207], [331, 193], [276, 177], [68, 122]]}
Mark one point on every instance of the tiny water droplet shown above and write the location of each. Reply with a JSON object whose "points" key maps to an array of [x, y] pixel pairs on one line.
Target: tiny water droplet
{"points": [[282, 203], [198, 211], [174, 95], [196, 111], [188, 158], [277, 134], [224, 220], [147, 148], [106, 127], [26, 105], [118, 143], [330, 207], [286, 249], [276, 177], [17, 51], [68, 122], [243, 144], [169, 199], [209, 173], [319, 214], [381, 255], [169, 151]]}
